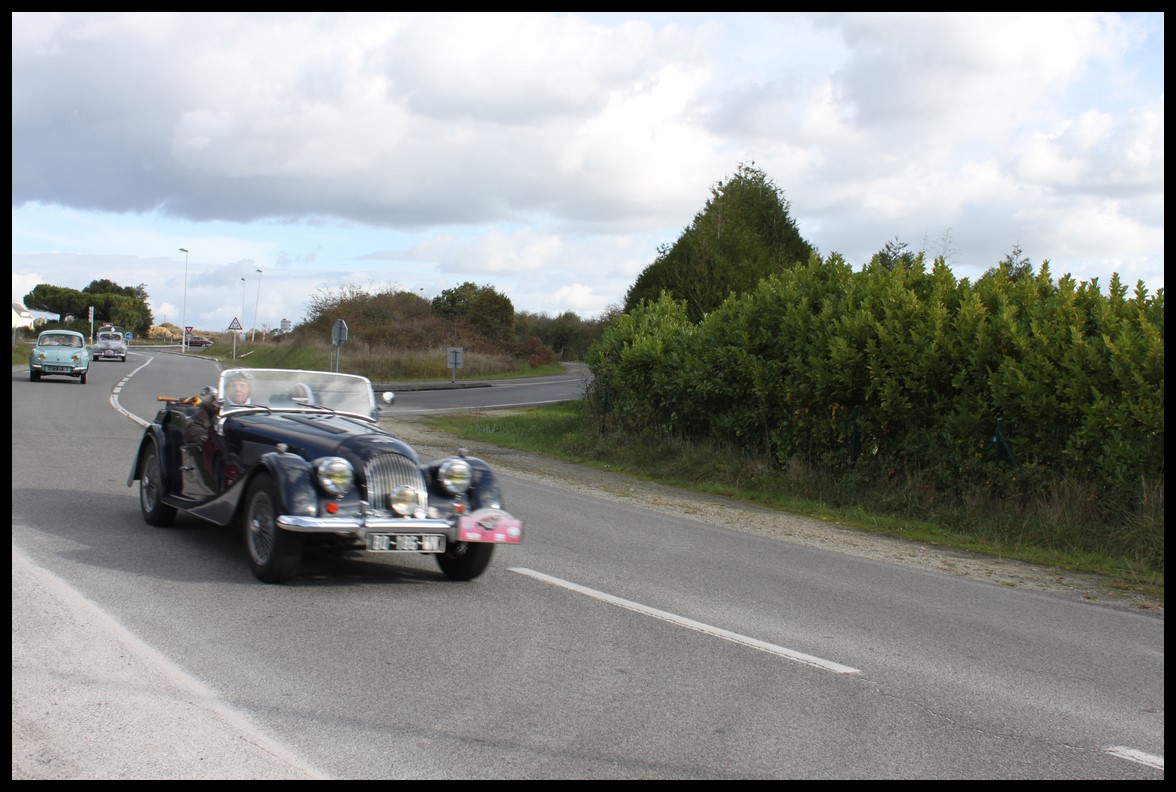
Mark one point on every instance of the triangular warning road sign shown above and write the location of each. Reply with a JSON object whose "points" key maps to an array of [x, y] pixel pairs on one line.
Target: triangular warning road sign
{"points": [[235, 325]]}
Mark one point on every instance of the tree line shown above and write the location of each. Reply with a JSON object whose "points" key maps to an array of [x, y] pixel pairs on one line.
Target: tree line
{"points": [[478, 317], [123, 306]]}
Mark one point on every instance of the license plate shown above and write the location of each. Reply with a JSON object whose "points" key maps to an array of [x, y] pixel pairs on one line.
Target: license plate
{"points": [[57, 369], [108, 353], [406, 543]]}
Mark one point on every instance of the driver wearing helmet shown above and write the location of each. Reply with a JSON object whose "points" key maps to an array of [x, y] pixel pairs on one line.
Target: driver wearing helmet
{"points": [[238, 391]]}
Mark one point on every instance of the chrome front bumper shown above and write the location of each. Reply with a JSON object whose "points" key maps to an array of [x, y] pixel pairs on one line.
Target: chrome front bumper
{"points": [[484, 525]]}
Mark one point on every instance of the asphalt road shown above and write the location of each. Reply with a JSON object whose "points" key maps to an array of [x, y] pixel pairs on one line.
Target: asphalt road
{"points": [[619, 641]]}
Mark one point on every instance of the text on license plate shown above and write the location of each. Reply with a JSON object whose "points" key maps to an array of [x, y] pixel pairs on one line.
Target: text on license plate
{"points": [[57, 369], [406, 543]]}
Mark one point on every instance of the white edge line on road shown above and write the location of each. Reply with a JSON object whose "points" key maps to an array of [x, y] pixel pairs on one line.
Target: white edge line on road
{"points": [[1133, 755], [706, 629], [118, 389]]}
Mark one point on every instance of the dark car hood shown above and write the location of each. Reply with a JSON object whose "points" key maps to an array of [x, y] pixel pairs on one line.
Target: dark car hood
{"points": [[312, 435]]}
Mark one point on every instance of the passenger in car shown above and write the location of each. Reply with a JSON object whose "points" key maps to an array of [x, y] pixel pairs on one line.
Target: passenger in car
{"points": [[302, 393]]}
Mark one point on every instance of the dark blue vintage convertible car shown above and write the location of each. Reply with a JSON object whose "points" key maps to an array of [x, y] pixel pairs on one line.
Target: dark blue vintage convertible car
{"points": [[297, 457]]}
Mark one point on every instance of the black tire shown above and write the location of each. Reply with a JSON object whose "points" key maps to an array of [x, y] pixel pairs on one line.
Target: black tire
{"points": [[155, 511], [82, 379], [465, 560], [34, 376], [275, 554]]}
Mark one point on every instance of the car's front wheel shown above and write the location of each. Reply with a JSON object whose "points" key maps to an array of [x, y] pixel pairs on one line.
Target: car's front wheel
{"points": [[465, 560], [155, 511], [274, 553], [34, 376], [82, 378]]}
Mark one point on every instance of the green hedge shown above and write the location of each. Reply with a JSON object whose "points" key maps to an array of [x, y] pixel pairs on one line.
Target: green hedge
{"points": [[1013, 384]]}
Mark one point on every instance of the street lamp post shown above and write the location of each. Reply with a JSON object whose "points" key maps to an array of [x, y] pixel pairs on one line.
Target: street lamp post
{"points": [[242, 300], [184, 342], [256, 302]]}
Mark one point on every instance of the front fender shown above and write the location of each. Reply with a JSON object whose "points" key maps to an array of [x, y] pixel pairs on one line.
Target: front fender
{"points": [[484, 491], [294, 479], [154, 434]]}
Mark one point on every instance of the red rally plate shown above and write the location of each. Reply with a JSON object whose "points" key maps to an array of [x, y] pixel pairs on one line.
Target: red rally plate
{"points": [[489, 525]]}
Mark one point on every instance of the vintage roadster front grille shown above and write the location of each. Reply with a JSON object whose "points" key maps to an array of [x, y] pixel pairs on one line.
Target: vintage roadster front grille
{"points": [[387, 472]]}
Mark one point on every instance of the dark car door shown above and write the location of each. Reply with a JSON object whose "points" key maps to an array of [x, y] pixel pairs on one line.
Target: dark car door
{"points": [[199, 464]]}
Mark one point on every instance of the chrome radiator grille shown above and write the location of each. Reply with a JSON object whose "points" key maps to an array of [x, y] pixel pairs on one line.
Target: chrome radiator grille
{"points": [[387, 472]]}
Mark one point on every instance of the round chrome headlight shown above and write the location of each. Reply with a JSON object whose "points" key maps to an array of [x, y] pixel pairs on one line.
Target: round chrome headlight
{"points": [[455, 475], [335, 475], [404, 500]]}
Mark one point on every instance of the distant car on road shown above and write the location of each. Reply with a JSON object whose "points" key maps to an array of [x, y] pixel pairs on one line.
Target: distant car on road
{"points": [[59, 353], [199, 341], [111, 345]]}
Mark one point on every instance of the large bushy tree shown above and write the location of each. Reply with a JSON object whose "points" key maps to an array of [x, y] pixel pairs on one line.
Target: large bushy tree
{"points": [[482, 311], [742, 235]]}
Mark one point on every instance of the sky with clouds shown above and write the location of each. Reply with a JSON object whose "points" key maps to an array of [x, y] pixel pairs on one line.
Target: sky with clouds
{"points": [[550, 155]]}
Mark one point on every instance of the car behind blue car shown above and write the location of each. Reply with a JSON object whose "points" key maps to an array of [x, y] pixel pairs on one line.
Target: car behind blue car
{"points": [[111, 345]]}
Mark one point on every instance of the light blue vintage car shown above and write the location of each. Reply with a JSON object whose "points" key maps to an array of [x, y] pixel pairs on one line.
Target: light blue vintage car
{"points": [[60, 353]]}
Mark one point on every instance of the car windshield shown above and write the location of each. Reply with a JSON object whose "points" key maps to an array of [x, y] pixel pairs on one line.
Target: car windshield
{"points": [[109, 337], [59, 339], [287, 389]]}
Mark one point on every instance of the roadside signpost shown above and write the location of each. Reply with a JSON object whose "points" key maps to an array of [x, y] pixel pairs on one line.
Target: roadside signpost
{"points": [[454, 360], [338, 336], [234, 328]]}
